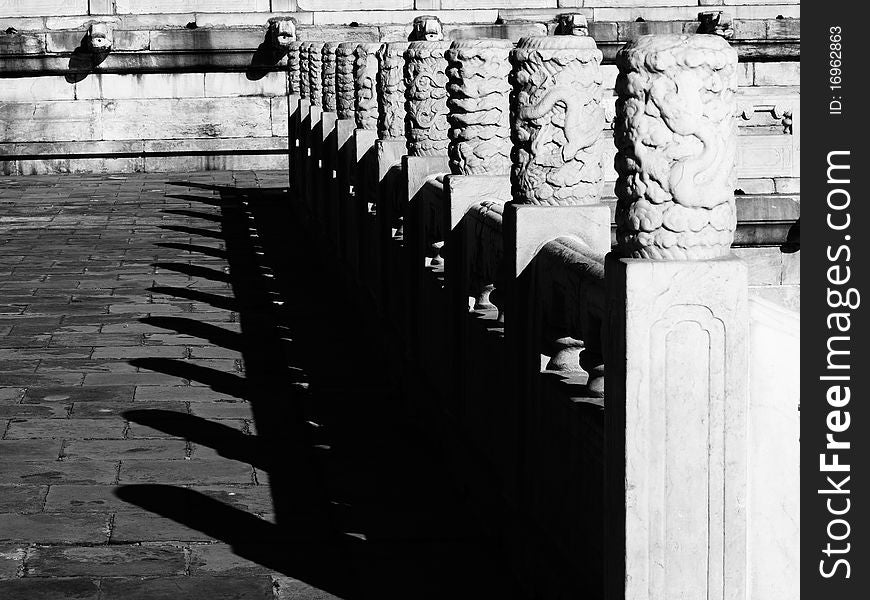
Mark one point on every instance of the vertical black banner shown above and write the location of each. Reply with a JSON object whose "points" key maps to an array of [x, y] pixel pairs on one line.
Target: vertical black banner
{"points": [[835, 421]]}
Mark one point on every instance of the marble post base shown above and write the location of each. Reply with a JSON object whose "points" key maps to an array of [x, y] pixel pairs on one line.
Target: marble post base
{"points": [[676, 425]]}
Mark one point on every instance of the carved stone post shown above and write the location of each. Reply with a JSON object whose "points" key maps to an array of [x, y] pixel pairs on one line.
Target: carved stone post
{"points": [[677, 353], [304, 77], [426, 94], [345, 57], [391, 91], [365, 85], [293, 67], [480, 142], [328, 76], [677, 145], [558, 119], [315, 72]]}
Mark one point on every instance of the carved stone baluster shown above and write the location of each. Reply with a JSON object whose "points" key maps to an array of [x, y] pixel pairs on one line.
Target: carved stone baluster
{"points": [[558, 118], [328, 76], [426, 93], [480, 142], [294, 67], [677, 146], [365, 85], [304, 77], [391, 91], [345, 57], [315, 72], [677, 351]]}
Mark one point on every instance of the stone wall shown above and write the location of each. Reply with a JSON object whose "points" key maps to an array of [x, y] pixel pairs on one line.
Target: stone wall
{"points": [[191, 85]]}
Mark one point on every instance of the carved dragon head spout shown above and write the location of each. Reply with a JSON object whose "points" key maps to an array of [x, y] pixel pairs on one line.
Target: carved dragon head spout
{"points": [[572, 24], [282, 31], [716, 23], [426, 29], [100, 38]]}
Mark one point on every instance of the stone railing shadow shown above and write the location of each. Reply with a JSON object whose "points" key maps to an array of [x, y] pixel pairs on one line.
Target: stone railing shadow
{"points": [[355, 490]]}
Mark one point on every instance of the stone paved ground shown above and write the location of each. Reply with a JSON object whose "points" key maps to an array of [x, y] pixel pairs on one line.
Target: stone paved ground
{"points": [[189, 409]]}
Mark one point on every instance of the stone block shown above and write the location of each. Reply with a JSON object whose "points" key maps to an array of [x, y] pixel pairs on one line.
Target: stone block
{"points": [[22, 43], [648, 13], [427, 4], [758, 10], [64, 41], [50, 121], [337, 5], [764, 265], [46, 528], [791, 268], [128, 41], [777, 73], [22, 499], [676, 362], [238, 84], [215, 162], [508, 31], [141, 86], [786, 296], [243, 20], [183, 6], [745, 74], [762, 185], [156, 22], [109, 561], [11, 560], [41, 8], [63, 23], [403, 18], [774, 479], [23, 24], [541, 15], [284, 5], [334, 32], [207, 39], [101, 7], [749, 29], [280, 124], [135, 588], [637, 3], [602, 31], [186, 118], [787, 185], [632, 30], [35, 89], [570, 3], [460, 4]]}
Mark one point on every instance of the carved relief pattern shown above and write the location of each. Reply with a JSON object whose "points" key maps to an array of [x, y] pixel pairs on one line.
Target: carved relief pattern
{"points": [[479, 117], [328, 75], [304, 78], [426, 92], [676, 142], [293, 67], [391, 91], [345, 55], [365, 87], [315, 72], [558, 118]]}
